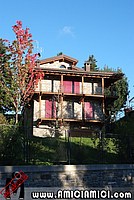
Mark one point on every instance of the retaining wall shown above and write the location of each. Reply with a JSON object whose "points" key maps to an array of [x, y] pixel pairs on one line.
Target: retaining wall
{"points": [[73, 175]]}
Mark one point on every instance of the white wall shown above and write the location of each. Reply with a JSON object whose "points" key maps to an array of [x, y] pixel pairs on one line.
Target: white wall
{"points": [[55, 65], [46, 86], [87, 88], [72, 109], [77, 110], [36, 110]]}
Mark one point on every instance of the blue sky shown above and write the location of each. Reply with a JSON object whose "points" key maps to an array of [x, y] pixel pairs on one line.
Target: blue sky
{"points": [[78, 28]]}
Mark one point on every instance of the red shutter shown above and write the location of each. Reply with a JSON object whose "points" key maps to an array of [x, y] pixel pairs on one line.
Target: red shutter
{"points": [[48, 106], [88, 110], [67, 86], [54, 111], [77, 87]]}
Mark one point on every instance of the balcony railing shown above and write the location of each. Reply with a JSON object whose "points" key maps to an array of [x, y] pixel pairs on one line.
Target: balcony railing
{"points": [[97, 91], [70, 89]]}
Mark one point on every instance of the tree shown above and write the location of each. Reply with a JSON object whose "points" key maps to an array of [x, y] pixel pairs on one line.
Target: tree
{"points": [[4, 60], [19, 77], [92, 62], [121, 87], [11, 142], [123, 130]]}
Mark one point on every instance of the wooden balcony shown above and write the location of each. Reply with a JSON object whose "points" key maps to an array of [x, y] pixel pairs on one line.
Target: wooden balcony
{"points": [[93, 120], [62, 91]]}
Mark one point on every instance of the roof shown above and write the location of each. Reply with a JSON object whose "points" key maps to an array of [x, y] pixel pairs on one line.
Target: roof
{"points": [[60, 57], [81, 72], [74, 69]]}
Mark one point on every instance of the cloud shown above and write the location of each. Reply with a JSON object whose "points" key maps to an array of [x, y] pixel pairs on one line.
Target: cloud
{"points": [[67, 30]]}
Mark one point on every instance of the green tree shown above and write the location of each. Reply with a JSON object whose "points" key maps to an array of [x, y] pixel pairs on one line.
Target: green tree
{"points": [[123, 130], [121, 88], [93, 62], [120, 91], [11, 142], [4, 62]]}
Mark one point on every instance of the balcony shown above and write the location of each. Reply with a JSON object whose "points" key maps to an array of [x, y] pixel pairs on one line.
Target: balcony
{"points": [[69, 88], [97, 91], [78, 91], [68, 111]]}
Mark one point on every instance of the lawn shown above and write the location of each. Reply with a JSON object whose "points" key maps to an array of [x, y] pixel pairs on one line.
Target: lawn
{"points": [[71, 150]]}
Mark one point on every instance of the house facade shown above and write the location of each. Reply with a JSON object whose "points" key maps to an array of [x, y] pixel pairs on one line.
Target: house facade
{"points": [[70, 100]]}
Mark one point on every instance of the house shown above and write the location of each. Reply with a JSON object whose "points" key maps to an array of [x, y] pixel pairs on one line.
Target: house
{"points": [[70, 100]]}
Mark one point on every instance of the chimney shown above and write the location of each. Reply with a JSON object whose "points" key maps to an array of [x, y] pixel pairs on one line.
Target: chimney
{"points": [[87, 66]]}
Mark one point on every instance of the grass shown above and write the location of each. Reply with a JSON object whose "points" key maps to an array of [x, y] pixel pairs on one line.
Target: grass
{"points": [[51, 151]]}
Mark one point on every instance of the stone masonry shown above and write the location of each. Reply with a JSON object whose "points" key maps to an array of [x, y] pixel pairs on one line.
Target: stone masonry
{"points": [[73, 175]]}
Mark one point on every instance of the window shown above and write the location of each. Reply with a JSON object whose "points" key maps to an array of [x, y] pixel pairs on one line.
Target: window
{"points": [[62, 67]]}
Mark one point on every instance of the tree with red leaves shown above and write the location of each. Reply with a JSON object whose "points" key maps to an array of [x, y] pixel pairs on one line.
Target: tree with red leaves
{"points": [[21, 76]]}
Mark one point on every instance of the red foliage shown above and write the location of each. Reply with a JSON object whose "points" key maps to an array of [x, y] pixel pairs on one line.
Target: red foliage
{"points": [[26, 62]]}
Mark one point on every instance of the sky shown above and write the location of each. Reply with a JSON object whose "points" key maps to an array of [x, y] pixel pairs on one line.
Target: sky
{"points": [[78, 28]]}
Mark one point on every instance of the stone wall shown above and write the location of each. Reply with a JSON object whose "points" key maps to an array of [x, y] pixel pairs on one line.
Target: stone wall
{"points": [[73, 175]]}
